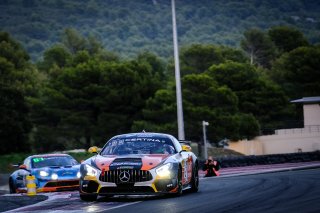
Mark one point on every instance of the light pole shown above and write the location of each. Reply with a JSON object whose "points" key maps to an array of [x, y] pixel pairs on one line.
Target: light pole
{"points": [[204, 124], [181, 135]]}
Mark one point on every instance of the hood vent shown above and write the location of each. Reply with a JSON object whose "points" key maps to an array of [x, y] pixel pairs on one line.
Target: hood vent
{"points": [[126, 163]]}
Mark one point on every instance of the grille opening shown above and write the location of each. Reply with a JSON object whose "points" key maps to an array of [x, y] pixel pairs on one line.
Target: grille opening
{"points": [[134, 175]]}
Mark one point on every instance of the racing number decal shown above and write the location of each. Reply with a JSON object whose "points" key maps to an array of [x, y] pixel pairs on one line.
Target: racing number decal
{"points": [[185, 170], [189, 169]]}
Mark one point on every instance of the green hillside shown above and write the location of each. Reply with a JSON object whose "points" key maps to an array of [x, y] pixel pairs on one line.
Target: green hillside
{"points": [[128, 27], [92, 78]]}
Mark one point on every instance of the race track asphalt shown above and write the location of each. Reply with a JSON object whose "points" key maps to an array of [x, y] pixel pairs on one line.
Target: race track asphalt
{"points": [[14, 201], [4, 183], [9, 202]]}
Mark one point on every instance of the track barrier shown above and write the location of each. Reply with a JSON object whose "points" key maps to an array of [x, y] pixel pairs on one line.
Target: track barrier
{"points": [[31, 185]]}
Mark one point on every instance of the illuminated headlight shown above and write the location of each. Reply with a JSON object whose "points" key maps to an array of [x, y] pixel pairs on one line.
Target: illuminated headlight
{"points": [[164, 170], [78, 174], [90, 170], [54, 176], [43, 173]]}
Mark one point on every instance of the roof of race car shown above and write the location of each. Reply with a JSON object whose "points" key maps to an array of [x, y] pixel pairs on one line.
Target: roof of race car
{"points": [[49, 155], [150, 135], [144, 134]]}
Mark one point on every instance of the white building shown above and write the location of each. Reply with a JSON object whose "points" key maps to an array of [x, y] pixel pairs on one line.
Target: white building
{"points": [[305, 139]]}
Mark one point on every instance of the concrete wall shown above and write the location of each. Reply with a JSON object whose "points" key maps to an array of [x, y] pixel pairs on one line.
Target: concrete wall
{"points": [[305, 139], [300, 140], [311, 114]]}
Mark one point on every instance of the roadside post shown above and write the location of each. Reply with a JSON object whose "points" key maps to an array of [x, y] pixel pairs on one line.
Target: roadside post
{"points": [[204, 124], [31, 185]]}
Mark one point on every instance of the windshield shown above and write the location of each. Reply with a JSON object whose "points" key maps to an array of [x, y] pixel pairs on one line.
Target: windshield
{"points": [[138, 145], [40, 162]]}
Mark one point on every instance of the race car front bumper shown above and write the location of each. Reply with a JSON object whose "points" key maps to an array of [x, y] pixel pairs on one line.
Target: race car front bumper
{"points": [[157, 185]]}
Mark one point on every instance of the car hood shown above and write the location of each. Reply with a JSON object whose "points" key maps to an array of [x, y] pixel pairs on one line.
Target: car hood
{"points": [[143, 162], [59, 170]]}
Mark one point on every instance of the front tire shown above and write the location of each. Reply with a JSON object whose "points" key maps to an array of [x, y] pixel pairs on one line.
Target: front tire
{"points": [[179, 180], [195, 179], [12, 187]]}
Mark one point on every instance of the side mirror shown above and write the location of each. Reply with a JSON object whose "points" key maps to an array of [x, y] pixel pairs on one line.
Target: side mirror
{"points": [[186, 148], [22, 167], [93, 149], [15, 165]]}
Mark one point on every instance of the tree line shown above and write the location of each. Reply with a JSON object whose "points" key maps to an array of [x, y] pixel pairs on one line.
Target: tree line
{"points": [[81, 94], [127, 26]]}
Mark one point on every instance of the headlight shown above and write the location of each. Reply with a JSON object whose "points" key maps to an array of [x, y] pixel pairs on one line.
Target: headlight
{"points": [[164, 170], [43, 173], [90, 170], [78, 174], [54, 176]]}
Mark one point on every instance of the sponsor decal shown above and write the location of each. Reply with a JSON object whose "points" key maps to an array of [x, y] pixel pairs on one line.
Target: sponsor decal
{"points": [[125, 165], [143, 139], [67, 173], [37, 160]]}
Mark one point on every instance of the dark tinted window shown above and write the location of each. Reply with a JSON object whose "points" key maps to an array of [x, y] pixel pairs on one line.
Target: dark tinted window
{"points": [[39, 162]]}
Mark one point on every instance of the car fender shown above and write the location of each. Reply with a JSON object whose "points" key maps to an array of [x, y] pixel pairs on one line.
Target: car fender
{"points": [[19, 179]]}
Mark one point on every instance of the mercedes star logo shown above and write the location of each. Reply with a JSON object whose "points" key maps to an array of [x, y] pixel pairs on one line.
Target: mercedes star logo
{"points": [[124, 176]]}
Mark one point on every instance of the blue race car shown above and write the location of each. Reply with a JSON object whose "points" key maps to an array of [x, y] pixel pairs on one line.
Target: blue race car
{"points": [[53, 172]]}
